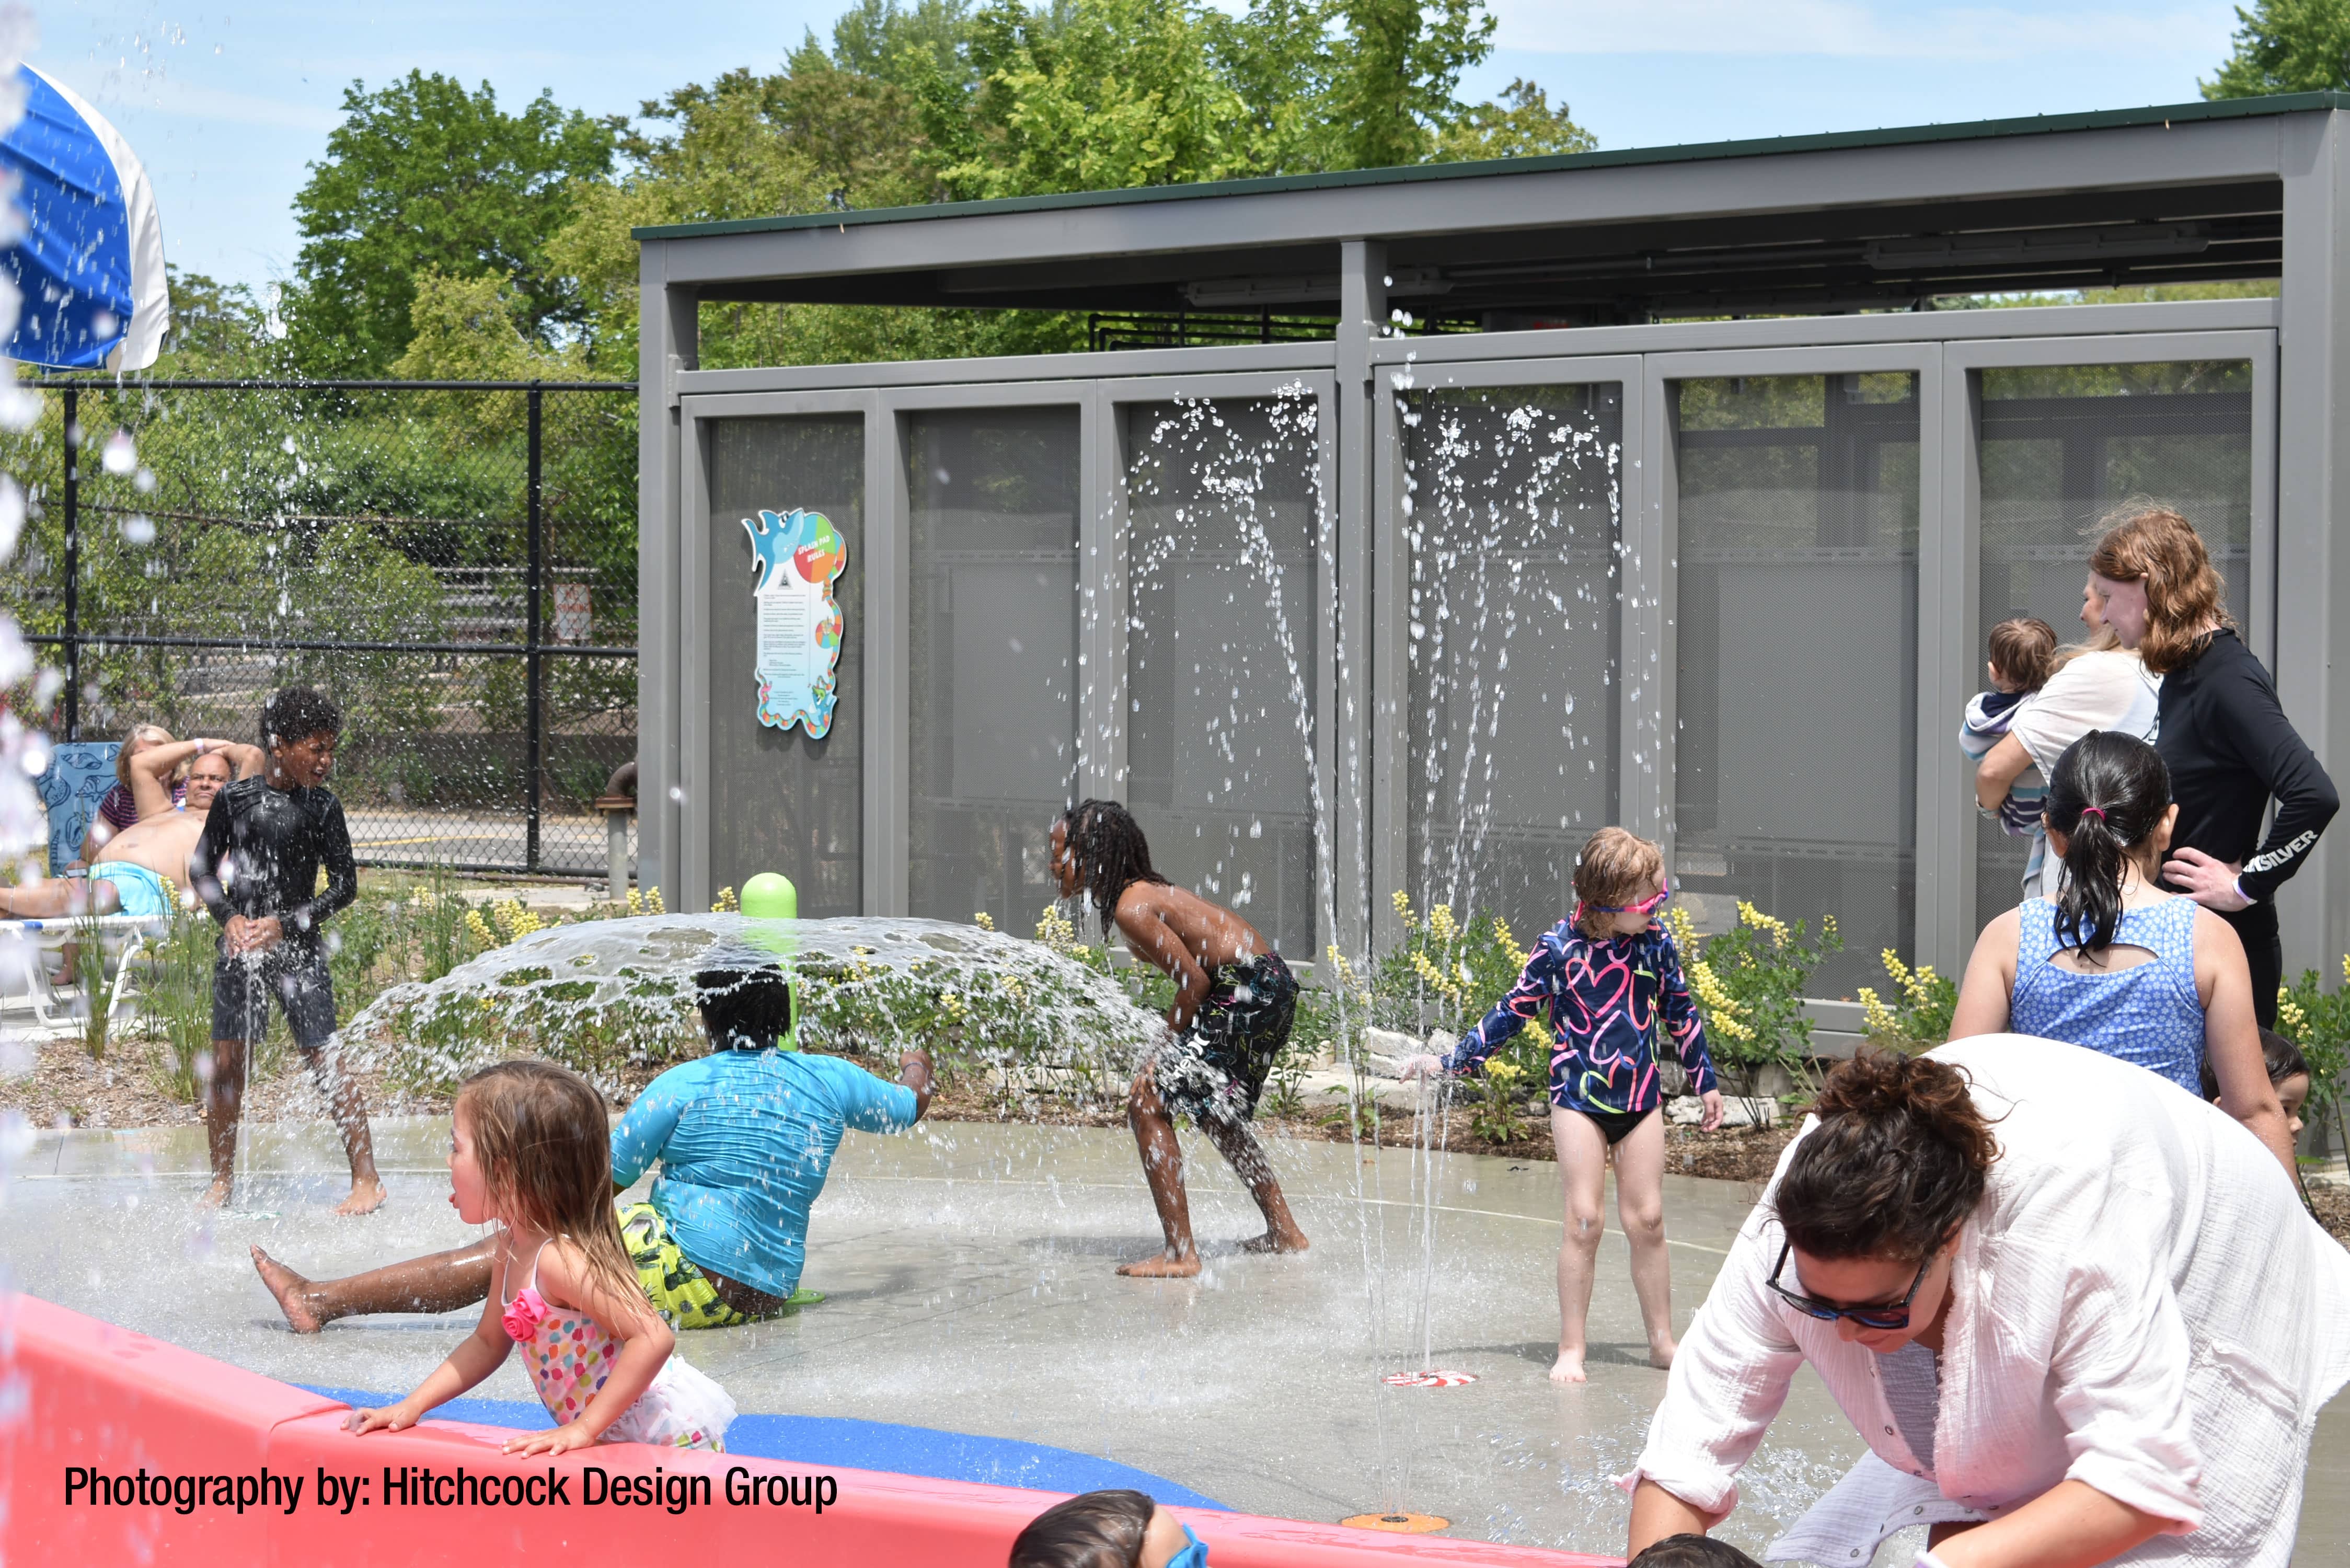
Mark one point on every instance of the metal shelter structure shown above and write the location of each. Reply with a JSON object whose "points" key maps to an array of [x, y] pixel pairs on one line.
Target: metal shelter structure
{"points": [[1742, 618]]}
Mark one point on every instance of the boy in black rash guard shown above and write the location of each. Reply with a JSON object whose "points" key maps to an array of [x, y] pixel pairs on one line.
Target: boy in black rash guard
{"points": [[256, 869]]}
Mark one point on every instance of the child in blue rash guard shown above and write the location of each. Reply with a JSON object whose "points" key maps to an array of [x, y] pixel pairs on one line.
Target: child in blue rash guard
{"points": [[1602, 977]]}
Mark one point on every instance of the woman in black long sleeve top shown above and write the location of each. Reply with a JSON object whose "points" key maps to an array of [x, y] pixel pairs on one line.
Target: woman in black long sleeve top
{"points": [[2223, 735]]}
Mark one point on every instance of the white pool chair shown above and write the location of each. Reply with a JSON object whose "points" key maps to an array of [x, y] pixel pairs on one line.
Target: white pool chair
{"points": [[25, 947]]}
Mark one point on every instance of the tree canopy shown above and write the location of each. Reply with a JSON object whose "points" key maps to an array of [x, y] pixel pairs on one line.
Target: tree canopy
{"points": [[436, 217], [2286, 46], [423, 174]]}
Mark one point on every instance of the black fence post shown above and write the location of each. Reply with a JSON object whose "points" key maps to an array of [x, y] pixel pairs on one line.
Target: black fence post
{"points": [[533, 712], [73, 564]]}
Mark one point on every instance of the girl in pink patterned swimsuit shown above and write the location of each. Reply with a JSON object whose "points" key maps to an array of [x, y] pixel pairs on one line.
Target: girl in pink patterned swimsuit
{"points": [[533, 1151], [1602, 981]]}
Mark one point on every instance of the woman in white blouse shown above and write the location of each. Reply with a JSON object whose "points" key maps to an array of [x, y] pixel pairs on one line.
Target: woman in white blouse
{"points": [[2098, 685], [2071, 1310]]}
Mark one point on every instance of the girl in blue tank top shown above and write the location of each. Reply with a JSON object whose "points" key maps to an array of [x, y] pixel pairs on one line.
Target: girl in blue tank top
{"points": [[2115, 964]]}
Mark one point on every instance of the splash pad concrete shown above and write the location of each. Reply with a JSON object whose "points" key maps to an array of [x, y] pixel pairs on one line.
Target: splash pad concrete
{"points": [[973, 1329]]}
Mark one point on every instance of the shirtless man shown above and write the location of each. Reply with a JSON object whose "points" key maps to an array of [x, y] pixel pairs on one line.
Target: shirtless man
{"points": [[1234, 1002], [133, 867]]}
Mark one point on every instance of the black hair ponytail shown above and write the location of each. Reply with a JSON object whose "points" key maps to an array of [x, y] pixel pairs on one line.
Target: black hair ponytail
{"points": [[2107, 797]]}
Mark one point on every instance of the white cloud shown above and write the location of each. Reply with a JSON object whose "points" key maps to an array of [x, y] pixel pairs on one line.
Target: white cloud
{"points": [[1854, 28]]}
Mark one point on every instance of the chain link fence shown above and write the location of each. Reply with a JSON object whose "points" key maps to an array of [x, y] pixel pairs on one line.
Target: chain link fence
{"points": [[455, 562]]}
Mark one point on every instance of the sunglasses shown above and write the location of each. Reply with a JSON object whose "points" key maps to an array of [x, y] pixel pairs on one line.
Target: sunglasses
{"points": [[1890, 1315], [1648, 906]]}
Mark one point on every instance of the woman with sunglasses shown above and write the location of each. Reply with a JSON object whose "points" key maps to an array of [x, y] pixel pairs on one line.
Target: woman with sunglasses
{"points": [[1600, 978], [2069, 1309]]}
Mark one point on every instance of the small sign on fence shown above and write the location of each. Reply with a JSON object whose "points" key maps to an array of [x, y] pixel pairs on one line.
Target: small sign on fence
{"points": [[571, 616]]}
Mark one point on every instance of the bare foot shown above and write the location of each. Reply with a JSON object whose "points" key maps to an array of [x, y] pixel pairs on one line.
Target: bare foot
{"points": [[366, 1198], [1660, 1356], [1277, 1241], [217, 1194], [1162, 1266], [1568, 1368], [288, 1287]]}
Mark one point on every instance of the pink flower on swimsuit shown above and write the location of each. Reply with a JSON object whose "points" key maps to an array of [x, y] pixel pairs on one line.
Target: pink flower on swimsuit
{"points": [[524, 1315]]}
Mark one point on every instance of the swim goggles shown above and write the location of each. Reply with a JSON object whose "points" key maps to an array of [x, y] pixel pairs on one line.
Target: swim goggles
{"points": [[1192, 1556], [1648, 906], [1895, 1314]]}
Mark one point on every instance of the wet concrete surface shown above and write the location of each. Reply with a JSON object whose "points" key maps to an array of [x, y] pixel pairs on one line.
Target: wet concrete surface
{"points": [[968, 1270]]}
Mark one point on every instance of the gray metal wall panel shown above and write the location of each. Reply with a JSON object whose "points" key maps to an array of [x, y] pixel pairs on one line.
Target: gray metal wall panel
{"points": [[2078, 160], [2313, 506]]}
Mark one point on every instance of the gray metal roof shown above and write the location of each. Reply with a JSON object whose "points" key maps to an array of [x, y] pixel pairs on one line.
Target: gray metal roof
{"points": [[2181, 193]]}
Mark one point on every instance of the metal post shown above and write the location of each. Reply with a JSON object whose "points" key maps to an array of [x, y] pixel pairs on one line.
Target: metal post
{"points": [[73, 564], [532, 630]]}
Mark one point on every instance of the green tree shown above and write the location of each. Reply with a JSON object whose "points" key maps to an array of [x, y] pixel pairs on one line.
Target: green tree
{"points": [[1523, 125], [217, 330], [2286, 46], [423, 174], [1401, 62]]}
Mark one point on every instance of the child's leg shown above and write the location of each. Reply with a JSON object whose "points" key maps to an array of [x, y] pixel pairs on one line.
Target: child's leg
{"points": [[1162, 1166], [441, 1283], [1235, 1141], [1641, 1205], [1582, 1171], [306, 990], [223, 1104]]}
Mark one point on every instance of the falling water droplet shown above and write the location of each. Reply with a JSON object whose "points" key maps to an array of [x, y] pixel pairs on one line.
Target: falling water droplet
{"points": [[121, 454], [138, 530]]}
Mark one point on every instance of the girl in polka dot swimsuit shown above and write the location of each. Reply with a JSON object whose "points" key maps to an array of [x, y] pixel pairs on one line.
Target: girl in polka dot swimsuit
{"points": [[531, 1151]]}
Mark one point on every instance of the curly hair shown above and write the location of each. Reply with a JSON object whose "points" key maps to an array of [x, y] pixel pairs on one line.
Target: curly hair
{"points": [[1901, 1156], [294, 714], [2185, 594], [1110, 852]]}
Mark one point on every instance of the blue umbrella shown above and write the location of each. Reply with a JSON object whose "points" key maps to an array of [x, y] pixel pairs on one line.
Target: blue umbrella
{"points": [[89, 262]]}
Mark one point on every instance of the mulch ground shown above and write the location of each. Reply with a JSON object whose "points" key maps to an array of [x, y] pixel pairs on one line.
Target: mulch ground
{"points": [[64, 1089]]}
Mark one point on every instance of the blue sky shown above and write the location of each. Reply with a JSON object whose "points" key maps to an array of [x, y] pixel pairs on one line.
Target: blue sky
{"points": [[228, 104]]}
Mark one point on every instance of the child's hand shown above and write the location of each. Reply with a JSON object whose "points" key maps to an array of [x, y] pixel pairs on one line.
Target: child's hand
{"points": [[1422, 1066], [561, 1440], [391, 1418], [1713, 1103]]}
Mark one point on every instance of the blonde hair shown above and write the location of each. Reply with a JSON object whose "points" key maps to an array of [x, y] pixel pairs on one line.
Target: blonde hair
{"points": [[1614, 868], [154, 735], [2184, 591], [544, 1145]]}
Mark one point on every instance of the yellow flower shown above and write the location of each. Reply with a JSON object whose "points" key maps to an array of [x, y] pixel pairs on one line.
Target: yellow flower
{"points": [[653, 905], [1508, 943], [2289, 1016], [636, 902], [1682, 930], [1876, 1018], [1720, 1007], [1441, 926], [1502, 1070], [725, 903], [1437, 980], [1411, 922], [983, 921], [1775, 929]]}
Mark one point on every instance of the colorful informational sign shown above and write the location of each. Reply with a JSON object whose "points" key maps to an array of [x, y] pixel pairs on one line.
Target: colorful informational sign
{"points": [[799, 556]]}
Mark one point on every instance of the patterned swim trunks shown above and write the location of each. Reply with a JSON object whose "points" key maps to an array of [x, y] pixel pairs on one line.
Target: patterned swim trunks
{"points": [[674, 1284], [1217, 1068]]}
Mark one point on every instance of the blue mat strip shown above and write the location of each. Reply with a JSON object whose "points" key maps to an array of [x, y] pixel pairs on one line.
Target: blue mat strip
{"points": [[849, 1444]]}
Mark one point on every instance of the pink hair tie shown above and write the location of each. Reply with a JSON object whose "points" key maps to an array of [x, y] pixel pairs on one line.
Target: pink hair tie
{"points": [[2097, 810]]}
